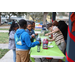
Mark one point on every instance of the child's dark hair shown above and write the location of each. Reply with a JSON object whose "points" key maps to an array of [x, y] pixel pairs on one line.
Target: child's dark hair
{"points": [[49, 25], [32, 22], [29, 23], [13, 25], [23, 22]]}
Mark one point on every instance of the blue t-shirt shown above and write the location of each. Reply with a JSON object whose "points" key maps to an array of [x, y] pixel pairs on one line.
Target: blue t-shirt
{"points": [[30, 33]]}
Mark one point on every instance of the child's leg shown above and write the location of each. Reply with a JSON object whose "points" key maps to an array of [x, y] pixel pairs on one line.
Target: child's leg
{"points": [[18, 58], [25, 56], [14, 55]]}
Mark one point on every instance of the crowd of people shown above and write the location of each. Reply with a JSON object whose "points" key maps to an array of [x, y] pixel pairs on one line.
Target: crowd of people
{"points": [[22, 35]]}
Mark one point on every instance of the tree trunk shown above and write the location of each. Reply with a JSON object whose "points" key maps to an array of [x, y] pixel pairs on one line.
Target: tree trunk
{"points": [[44, 17], [33, 19], [0, 18], [27, 16], [9, 17]]}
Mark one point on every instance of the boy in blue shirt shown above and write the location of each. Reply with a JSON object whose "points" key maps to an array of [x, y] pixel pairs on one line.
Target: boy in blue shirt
{"points": [[23, 43]]}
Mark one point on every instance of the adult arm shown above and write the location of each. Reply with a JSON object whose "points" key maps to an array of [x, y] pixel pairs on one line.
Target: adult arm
{"points": [[51, 39], [56, 30]]}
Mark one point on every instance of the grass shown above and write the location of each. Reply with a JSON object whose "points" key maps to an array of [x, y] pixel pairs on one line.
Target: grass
{"points": [[4, 29], [4, 38], [3, 52]]}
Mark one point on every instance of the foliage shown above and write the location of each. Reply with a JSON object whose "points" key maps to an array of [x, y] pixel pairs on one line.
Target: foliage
{"points": [[63, 13], [3, 52], [36, 15], [4, 38]]}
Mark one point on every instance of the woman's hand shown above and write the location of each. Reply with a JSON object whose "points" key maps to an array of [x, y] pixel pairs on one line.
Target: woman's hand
{"points": [[46, 34]]}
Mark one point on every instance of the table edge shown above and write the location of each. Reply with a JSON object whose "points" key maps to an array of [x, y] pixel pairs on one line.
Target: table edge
{"points": [[55, 57]]}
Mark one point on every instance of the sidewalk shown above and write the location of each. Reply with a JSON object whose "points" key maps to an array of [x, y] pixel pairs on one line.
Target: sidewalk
{"points": [[8, 57], [4, 46], [8, 31], [4, 31]]}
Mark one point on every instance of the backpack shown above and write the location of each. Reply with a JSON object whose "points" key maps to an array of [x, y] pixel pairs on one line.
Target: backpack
{"points": [[18, 40]]}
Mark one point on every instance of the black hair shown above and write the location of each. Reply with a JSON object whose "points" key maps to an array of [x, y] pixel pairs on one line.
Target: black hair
{"points": [[23, 22], [13, 25], [29, 23], [49, 25], [32, 22]]}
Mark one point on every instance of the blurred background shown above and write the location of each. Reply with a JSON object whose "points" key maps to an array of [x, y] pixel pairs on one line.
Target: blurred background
{"points": [[39, 17]]}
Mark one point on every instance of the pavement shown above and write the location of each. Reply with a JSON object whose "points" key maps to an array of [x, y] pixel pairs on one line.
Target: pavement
{"points": [[8, 57], [3, 46], [4, 31]]}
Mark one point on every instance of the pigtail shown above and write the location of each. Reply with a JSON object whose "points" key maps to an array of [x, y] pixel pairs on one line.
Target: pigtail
{"points": [[11, 27]]}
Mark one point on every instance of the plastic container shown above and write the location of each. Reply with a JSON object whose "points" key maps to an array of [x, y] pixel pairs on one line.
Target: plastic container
{"points": [[45, 44]]}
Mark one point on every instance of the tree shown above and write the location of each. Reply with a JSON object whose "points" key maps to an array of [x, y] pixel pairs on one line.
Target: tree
{"points": [[38, 16], [11, 13], [50, 14], [14, 14], [35, 15], [0, 18], [63, 13], [44, 17]]}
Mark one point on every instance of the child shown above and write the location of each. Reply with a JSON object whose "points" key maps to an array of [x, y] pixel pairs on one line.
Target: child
{"points": [[23, 43], [58, 37], [12, 30], [33, 27], [30, 31]]}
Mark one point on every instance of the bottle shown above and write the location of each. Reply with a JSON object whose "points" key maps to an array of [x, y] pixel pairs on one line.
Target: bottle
{"points": [[45, 44], [38, 46], [36, 36]]}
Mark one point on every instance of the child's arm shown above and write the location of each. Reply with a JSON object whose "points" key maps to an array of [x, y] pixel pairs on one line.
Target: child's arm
{"points": [[56, 30], [11, 35], [34, 33], [29, 43]]}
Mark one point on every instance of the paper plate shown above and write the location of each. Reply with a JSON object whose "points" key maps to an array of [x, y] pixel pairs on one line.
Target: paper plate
{"points": [[50, 42], [50, 46]]}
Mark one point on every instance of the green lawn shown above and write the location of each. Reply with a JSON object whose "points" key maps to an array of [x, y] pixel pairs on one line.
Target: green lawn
{"points": [[4, 29], [3, 52], [4, 38]]}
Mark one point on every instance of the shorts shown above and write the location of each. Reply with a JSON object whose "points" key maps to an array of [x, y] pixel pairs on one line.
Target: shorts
{"points": [[22, 56], [62, 46]]}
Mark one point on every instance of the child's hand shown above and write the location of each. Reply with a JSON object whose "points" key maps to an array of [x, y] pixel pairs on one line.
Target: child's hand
{"points": [[40, 42], [33, 36], [36, 33]]}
